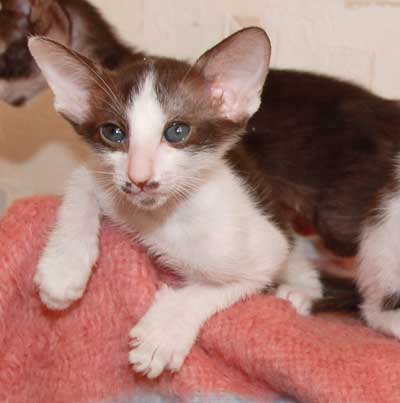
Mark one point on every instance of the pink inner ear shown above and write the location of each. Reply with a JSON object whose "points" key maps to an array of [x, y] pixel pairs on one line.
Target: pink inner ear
{"points": [[224, 98], [227, 100], [236, 69]]}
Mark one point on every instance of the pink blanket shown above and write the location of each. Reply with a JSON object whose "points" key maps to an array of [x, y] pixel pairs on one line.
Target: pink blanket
{"points": [[259, 349]]}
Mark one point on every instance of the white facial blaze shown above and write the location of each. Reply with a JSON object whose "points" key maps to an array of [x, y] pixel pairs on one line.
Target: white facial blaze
{"points": [[147, 121]]}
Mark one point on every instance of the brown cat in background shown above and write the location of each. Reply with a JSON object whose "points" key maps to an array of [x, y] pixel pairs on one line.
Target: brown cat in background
{"points": [[75, 23]]}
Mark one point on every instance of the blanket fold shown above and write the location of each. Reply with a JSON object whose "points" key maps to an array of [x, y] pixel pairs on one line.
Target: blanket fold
{"points": [[259, 350]]}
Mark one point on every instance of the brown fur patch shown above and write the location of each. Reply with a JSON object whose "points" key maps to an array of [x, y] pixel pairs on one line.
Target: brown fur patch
{"points": [[323, 150], [339, 295], [16, 61], [391, 302]]}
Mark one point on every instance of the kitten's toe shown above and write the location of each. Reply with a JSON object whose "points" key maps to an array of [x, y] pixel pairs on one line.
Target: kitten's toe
{"points": [[177, 361], [161, 340], [149, 358], [155, 369], [300, 300], [140, 360]]}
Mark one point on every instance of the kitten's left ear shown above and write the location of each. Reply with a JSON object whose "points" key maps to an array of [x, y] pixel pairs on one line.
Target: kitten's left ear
{"points": [[70, 76], [236, 69]]}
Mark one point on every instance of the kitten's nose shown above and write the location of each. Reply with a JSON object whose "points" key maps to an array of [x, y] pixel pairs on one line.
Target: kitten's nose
{"points": [[146, 185]]}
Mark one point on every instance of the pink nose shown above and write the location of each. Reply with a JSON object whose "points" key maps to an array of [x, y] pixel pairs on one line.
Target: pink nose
{"points": [[146, 185]]}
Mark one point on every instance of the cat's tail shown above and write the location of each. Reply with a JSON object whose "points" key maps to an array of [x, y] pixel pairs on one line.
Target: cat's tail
{"points": [[340, 295]]}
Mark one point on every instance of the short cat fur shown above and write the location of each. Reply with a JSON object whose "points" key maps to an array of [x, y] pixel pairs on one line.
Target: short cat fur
{"points": [[183, 201], [327, 152], [319, 150]]}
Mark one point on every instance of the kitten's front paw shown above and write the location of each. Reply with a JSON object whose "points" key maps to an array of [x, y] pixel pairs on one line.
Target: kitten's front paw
{"points": [[162, 339], [61, 281], [299, 298]]}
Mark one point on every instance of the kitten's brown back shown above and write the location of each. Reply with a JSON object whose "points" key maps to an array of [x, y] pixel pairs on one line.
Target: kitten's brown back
{"points": [[323, 151]]}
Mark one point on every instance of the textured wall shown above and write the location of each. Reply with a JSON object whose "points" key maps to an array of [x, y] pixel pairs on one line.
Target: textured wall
{"points": [[356, 39]]}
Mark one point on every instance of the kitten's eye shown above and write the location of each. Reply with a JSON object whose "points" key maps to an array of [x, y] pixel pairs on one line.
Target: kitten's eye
{"points": [[112, 133], [176, 132]]}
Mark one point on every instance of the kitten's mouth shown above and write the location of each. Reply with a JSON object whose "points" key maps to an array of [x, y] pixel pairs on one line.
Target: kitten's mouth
{"points": [[148, 194], [144, 200]]}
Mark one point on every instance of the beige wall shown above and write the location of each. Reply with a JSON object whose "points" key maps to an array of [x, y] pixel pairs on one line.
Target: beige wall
{"points": [[356, 39]]}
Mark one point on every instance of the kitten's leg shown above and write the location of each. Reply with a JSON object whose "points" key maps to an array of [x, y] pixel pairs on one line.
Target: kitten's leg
{"points": [[300, 282], [72, 249], [379, 270], [164, 336]]}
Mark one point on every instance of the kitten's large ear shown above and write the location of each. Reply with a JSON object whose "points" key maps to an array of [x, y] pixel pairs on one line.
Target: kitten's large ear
{"points": [[236, 69], [69, 75]]}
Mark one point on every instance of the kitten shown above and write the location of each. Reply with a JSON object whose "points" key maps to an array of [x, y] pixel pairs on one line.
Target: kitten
{"points": [[75, 23], [160, 131]]}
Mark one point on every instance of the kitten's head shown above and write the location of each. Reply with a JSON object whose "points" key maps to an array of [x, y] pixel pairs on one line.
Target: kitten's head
{"points": [[160, 126]]}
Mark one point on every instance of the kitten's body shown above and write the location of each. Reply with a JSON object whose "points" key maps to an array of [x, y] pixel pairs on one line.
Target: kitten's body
{"points": [[181, 200], [309, 154], [220, 213], [75, 23]]}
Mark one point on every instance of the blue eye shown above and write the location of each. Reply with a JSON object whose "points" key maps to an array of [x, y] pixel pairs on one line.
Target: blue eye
{"points": [[112, 133], [176, 132]]}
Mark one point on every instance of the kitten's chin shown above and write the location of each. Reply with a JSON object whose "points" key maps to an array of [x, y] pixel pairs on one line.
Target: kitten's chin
{"points": [[147, 202]]}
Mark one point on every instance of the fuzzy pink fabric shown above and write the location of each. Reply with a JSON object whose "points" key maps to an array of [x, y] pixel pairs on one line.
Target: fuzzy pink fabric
{"points": [[252, 349]]}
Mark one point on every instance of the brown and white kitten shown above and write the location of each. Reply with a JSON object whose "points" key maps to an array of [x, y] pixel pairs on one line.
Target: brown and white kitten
{"points": [[319, 151], [160, 131], [75, 23]]}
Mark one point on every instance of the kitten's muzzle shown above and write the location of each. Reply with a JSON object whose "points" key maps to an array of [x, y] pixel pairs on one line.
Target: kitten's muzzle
{"points": [[127, 188]]}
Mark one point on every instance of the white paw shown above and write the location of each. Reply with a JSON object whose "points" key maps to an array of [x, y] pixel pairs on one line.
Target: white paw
{"points": [[163, 337], [61, 279], [301, 301]]}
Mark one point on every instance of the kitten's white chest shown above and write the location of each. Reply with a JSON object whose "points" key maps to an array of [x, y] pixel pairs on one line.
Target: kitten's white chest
{"points": [[216, 234]]}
